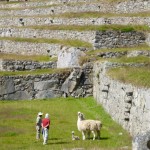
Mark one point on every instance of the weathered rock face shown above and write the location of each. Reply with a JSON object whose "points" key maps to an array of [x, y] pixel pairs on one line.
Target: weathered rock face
{"points": [[141, 141], [69, 57], [79, 83], [127, 104]]}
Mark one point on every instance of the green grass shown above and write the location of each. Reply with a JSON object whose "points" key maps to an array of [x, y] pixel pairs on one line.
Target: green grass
{"points": [[138, 59], [100, 14], [141, 47], [17, 126], [67, 42], [132, 75], [123, 28], [34, 72], [40, 58], [93, 55]]}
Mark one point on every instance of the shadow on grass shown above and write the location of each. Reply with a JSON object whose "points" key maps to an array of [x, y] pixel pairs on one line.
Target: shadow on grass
{"points": [[56, 139], [58, 143], [104, 138]]}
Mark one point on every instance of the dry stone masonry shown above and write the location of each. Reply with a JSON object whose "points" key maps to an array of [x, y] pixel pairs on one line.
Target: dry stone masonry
{"points": [[16, 65], [47, 85], [127, 104], [33, 21], [130, 6]]}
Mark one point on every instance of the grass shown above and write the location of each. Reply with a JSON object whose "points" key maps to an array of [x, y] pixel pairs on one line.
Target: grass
{"points": [[122, 49], [123, 28], [100, 14], [92, 55], [34, 72], [138, 59], [40, 58], [132, 75], [67, 42], [17, 125]]}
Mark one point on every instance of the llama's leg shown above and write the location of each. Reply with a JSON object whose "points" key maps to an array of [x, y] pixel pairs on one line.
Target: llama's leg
{"points": [[98, 134], [88, 134], [93, 135], [83, 135]]}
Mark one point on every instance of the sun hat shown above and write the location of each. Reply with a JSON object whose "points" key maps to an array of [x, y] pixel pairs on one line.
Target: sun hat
{"points": [[46, 115], [40, 114]]}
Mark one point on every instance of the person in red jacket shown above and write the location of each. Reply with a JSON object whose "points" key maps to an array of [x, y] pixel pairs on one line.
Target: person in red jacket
{"points": [[45, 128]]}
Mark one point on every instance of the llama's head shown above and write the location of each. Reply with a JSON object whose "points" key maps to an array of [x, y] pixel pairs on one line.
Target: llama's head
{"points": [[72, 132], [81, 116]]}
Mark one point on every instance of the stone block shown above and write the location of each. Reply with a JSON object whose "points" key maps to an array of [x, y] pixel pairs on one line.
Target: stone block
{"points": [[46, 94], [19, 95], [7, 86], [141, 141], [44, 85]]}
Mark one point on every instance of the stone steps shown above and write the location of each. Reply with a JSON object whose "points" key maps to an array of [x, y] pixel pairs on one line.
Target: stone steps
{"points": [[39, 21], [122, 7]]}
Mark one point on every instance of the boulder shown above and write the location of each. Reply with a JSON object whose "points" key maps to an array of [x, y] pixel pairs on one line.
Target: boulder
{"points": [[69, 57]]}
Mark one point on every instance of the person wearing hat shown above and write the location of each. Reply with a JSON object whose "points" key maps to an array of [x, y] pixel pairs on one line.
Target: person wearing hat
{"points": [[38, 125], [45, 128]]}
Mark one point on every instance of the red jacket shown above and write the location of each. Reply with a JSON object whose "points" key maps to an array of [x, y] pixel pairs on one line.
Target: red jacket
{"points": [[46, 123]]}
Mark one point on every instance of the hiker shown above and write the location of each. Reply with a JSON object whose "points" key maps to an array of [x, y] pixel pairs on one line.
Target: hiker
{"points": [[38, 125], [45, 128]]}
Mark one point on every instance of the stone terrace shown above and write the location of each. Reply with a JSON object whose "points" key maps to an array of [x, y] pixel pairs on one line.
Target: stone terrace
{"points": [[18, 22]]}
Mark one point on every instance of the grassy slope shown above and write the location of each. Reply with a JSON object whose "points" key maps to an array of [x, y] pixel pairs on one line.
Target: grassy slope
{"points": [[137, 76], [17, 126]]}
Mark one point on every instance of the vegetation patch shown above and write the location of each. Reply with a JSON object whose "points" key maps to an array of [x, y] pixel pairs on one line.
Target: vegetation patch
{"points": [[138, 76], [123, 28], [141, 47], [101, 14], [40, 58], [138, 59], [34, 72], [63, 122], [67, 42]]}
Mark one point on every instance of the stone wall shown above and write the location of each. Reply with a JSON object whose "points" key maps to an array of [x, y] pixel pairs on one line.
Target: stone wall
{"points": [[34, 21], [99, 39], [17, 65], [39, 4], [112, 39], [48, 85], [130, 6], [127, 104], [87, 36], [28, 48]]}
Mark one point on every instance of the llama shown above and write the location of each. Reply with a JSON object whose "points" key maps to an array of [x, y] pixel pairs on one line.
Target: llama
{"points": [[87, 126], [74, 137]]}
